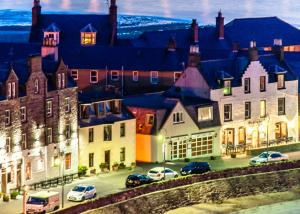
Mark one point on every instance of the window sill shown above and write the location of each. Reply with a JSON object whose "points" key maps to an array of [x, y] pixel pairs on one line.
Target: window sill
{"points": [[262, 90], [228, 120], [178, 122], [281, 88], [227, 95], [247, 92]]}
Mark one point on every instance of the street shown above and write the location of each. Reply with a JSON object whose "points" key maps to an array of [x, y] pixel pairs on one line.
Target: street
{"points": [[115, 181]]}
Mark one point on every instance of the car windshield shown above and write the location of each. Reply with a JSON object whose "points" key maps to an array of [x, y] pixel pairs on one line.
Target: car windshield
{"points": [[35, 200], [263, 155], [78, 189], [133, 177], [191, 164]]}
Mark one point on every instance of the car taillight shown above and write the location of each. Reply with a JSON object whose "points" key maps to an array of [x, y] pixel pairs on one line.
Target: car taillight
{"points": [[158, 175]]}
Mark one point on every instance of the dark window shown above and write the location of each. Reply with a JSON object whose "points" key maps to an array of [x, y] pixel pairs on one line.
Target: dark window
{"points": [[122, 154], [91, 135], [227, 112], [9, 177], [68, 131], [67, 105], [7, 118], [247, 110], [262, 83], [107, 133], [91, 159], [281, 106], [122, 130], [247, 86]]}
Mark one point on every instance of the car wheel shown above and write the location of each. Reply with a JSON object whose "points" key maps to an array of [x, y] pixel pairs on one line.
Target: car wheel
{"points": [[176, 176], [83, 198], [95, 195]]}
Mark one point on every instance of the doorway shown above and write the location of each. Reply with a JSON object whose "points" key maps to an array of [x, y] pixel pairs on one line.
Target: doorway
{"points": [[107, 157], [281, 130], [4, 182]]}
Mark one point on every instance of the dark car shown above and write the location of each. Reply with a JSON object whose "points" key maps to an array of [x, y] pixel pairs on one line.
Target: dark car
{"points": [[195, 168], [135, 180]]}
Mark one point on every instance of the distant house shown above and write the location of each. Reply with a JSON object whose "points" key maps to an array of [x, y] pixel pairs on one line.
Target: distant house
{"points": [[171, 127], [257, 97], [106, 130]]}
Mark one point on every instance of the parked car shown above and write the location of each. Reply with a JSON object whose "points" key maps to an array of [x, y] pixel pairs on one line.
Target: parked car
{"points": [[161, 173], [82, 192], [195, 168], [135, 180], [42, 202], [266, 157]]}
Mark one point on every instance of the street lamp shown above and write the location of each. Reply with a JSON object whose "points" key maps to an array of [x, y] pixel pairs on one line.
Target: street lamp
{"points": [[162, 138], [25, 190], [61, 167]]}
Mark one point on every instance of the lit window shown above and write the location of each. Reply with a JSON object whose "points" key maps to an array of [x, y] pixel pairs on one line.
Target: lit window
{"points": [[205, 113], [280, 81], [150, 119], [227, 112], [49, 135], [122, 154], [262, 83], [281, 106], [8, 145], [177, 117], [13, 89], [67, 105], [63, 80], [88, 38], [227, 87], [135, 76], [49, 108], [122, 130], [7, 118], [68, 161], [114, 75], [23, 114], [8, 90], [28, 171], [68, 131], [74, 74], [176, 76], [36, 86], [262, 108], [91, 160], [91, 135], [93, 77], [247, 86], [247, 110], [24, 141], [58, 81], [107, 133], [154, 77]]}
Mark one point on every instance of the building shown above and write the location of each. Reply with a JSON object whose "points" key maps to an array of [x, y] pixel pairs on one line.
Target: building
{"points": [[171, 127], [38, 110], [106, 130], [257, 96]]}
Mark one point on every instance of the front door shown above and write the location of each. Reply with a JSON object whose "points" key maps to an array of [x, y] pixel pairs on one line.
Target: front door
{"points": [[4, 182], [107, 158]]}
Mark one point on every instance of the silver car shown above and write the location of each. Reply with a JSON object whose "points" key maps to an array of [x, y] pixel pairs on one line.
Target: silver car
{"points": [[267, 157]]}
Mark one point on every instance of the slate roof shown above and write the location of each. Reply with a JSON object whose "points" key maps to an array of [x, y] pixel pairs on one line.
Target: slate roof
{"points": [[96, 94], [88, 29], [70, 26], [52, 28], [293, 60]]}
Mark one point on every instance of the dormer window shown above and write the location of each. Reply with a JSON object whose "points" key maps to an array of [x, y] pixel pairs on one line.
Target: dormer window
{"points": [[36, 86], [51, 35], [227, 87], [88, 35], [61, 81], [280, 81], [205, 113]]}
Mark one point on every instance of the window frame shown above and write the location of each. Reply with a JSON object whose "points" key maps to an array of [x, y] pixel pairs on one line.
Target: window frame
{"points": [[105, 136], [91, 135], [247, 85], [7, 118], [210, 112], [23, 114], [114, 77], [67, 105], [148, 116], [84, 37], [279, 85], [283, 107], [229, 87], [24, 141], [8, 145], [152, 77], [68, 162], [93, 76], [177, 78], [122, 129], [49, 108], [262, 89], [49, 136], [135, 76], [68, 131], [91, 159], [75, 76], [122, 154], [247, 115], [262, 112], [178, 117], [226, 119], [36, 86]]}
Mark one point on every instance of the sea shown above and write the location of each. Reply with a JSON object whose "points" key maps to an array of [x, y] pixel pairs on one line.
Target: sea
{"points": [[136, 16]]}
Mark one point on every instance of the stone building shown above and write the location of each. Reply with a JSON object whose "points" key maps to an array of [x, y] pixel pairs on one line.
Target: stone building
{"points": [[257, 96], [38, 110], [107, 132]]}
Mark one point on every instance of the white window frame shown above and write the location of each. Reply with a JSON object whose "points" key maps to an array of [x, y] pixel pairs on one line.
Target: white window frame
{"points": [[9, 90], [176, 73], [13, 88], [114, 75], [92, 76], [36, 86], [135, 76], [280, 81], [229, 118], [74, 75], [227, 86], [281, 109], [178, 117], [7, 118], [248, 111], [67, 105], [154, 77], [262, 111], [49, 108], [247, 85], [23, 112], [58, 81], [210, 112], [8, 145], [63, 80]]}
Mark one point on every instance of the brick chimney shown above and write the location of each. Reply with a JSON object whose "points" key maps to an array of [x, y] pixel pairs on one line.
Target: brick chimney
{"points": [[220, 25], [195, 31], [194, 56], [35, 63], [253, 52], [278, 49], [113, 20], [36, 13]]}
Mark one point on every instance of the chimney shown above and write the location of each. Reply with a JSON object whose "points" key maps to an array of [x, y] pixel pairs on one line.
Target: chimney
{"points": [[36, 13], [220, 25], [278, 49], [113, 19], [35, 63], [172, 44], [253, 52], [194, 56], [195, 31]]}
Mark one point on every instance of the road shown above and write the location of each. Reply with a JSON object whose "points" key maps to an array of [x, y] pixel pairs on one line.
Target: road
{"points": [[115, 181]]}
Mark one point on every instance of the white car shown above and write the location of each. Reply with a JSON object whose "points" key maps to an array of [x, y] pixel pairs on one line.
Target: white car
{"points": [[266, 157], [161, 173], [82, 192]]}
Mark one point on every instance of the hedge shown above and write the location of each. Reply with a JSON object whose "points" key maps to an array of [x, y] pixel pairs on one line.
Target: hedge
{"points": [[182, 181]]}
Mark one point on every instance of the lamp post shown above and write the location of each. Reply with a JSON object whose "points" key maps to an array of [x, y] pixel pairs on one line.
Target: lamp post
{"points": [[25, 190], [62, 168], [268, 118], [162, 138]]}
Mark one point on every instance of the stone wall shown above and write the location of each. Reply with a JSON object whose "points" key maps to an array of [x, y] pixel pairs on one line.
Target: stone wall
{"points": [[215, 190]]}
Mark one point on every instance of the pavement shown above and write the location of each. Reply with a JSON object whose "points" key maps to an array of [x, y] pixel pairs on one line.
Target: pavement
{"points": [[114, 182]]}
